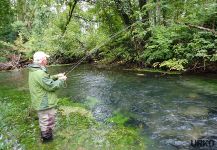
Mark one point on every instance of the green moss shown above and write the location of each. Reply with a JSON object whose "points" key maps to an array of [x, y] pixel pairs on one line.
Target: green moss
{"points": [[16, 126], [118, 119], [75, 128], [69, 102], [125, 137]]}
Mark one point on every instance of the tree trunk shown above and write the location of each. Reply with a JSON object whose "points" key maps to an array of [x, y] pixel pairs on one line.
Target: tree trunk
{"points": [[21, 5], [72, 7], [164, 13], [123, 14], [158, 12], [141, 4]]}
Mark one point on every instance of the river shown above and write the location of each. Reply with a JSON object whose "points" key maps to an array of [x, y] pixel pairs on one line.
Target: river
{"points": [[171, 110]]}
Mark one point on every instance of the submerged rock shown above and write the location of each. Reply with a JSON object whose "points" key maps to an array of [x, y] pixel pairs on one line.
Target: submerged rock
{"points": [[66, 110], [140, 74], [195, 111], [194, 133], [193, 96]]}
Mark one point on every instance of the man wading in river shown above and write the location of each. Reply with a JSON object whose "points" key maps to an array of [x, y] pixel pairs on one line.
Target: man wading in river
{"points": [[42, 88]]}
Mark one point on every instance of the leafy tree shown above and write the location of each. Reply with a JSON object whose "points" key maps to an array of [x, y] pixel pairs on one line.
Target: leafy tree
{"points": [[6, 17], [167, 34]]}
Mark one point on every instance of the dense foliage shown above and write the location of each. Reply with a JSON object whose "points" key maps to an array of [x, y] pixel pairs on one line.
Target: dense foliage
{"points": [[171, 35]]}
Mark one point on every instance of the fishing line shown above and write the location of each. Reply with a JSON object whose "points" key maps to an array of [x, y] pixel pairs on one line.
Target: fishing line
{"points": [[97, 47]]}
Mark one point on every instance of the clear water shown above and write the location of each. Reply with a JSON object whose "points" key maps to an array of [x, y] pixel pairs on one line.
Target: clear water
{"points": [[171, 110]]}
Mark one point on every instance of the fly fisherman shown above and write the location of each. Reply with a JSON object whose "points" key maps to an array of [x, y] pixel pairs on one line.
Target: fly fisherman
{"points": [[42, 88]]}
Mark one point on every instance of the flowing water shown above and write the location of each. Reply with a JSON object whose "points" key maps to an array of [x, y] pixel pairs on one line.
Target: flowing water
{"points": [[170, 110]]}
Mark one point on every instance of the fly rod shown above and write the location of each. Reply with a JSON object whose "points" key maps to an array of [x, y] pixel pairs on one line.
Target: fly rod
{"points": [[97, 47]]}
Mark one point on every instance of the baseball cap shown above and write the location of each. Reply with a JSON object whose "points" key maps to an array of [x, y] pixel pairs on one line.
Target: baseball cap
{"points": [[39, 55]]}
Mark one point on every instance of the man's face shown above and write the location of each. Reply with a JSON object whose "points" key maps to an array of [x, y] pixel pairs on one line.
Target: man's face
{"points": [[44, 61]]}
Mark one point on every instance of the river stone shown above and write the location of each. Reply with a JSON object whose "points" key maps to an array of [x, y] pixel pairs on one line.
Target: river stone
{"points": [[194, 133], [140, 74], [170, 133], [91, 102], [195, 111], [193, 96]]}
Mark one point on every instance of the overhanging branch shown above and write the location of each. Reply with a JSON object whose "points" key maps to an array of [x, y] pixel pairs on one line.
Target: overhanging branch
{"points": [[199, 27], [85, 19], [202, 28], [72, 7]]}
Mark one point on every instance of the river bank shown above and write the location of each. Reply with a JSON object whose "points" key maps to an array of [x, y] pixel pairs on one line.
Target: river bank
{"points": [[127, 67], [10, 66]]}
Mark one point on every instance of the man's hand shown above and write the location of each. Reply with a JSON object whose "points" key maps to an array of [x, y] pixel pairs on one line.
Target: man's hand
{"points": [[63, 78], [60, 74]]}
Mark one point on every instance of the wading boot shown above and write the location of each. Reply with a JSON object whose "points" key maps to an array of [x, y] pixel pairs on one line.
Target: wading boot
{"points": [[46, 136]]}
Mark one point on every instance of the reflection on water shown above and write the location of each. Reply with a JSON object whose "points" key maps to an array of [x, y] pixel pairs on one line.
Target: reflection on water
{"points": [[171, 110]]}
